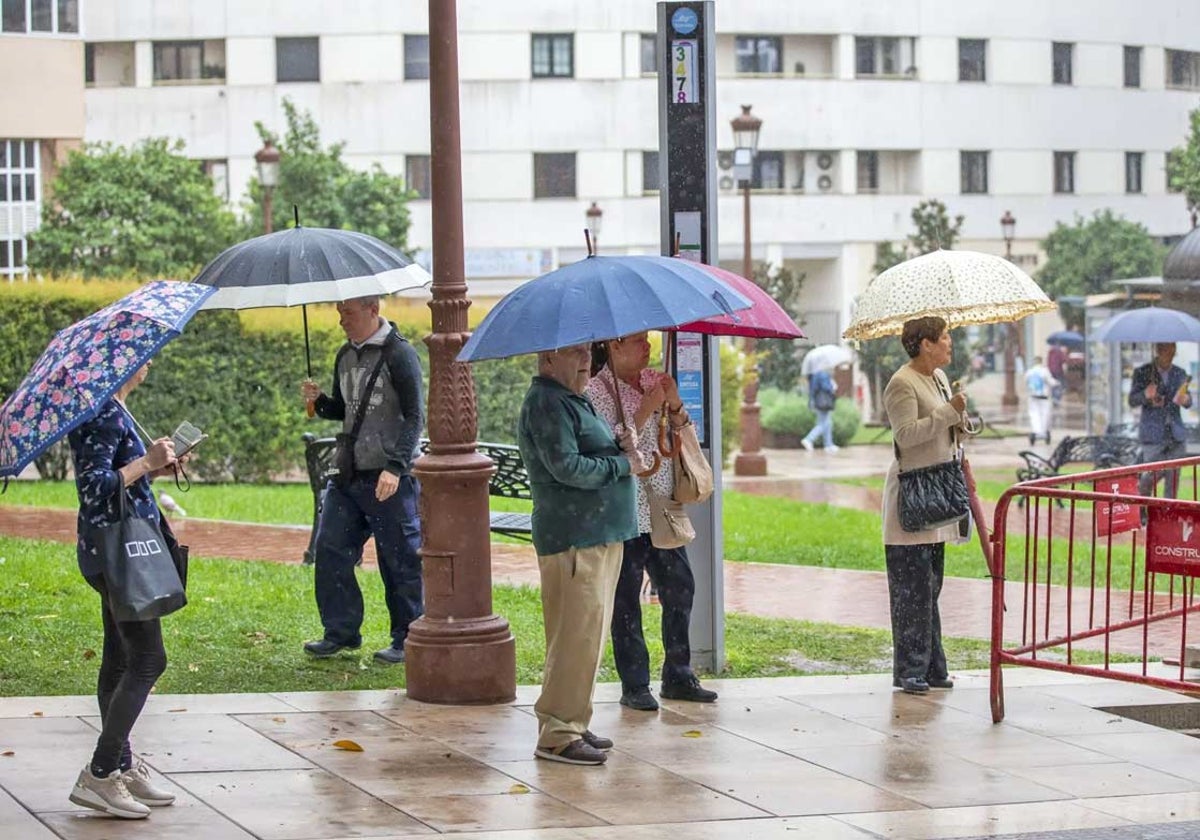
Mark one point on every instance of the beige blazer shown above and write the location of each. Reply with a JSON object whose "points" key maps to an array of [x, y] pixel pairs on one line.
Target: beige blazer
{"points": [[921, 419]]}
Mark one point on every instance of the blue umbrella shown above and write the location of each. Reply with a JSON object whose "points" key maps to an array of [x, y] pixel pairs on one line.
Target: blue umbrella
{"points": [[86, 363], [1064, 338], [1152, 323], [597, 299]]}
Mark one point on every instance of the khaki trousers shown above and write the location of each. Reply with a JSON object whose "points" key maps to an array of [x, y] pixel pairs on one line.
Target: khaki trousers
{"points": [[578, 586]]}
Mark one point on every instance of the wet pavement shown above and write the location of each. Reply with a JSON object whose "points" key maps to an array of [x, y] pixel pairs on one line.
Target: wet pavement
{"points": [[843, 758]]}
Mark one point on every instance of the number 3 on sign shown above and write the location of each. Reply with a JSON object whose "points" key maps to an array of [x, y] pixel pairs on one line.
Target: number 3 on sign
{"points": [[683, 72]]}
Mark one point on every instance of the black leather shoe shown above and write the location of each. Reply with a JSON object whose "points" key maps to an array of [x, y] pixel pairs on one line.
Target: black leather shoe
{"points": [[944, 682], [640, 699], [597, 742], [914, 685], [390, 656], [323, 648], [690, 690]]}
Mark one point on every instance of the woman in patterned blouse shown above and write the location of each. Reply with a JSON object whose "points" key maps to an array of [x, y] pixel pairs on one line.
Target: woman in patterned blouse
{"points": [[645, 393], [109, 458]]}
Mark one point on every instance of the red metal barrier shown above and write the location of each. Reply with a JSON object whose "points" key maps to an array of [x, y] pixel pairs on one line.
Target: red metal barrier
{"points": [[1060, 596]]}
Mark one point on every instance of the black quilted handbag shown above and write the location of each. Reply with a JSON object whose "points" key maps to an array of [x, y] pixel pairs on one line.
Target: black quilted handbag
{"points": [[933, 496]]}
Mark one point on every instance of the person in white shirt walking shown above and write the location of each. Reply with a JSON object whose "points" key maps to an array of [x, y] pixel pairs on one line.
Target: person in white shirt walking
{"points": [[1040, 384]]}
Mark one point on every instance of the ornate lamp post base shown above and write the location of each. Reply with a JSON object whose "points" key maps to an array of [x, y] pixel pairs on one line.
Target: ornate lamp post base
{"points": [[459, 651]]}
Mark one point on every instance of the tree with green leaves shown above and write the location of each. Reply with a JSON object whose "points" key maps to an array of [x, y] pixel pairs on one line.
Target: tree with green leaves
{"points": [[933, 228], [143, 211], [1085, 257], [325, 189], [1183, 167], [778, 365]]}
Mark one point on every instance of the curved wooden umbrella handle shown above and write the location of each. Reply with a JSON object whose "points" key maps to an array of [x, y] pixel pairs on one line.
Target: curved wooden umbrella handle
{"points": [[668, 438], [652, 469]]}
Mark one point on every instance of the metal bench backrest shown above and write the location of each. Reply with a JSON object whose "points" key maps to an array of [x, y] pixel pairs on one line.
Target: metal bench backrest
{"points": [[1101, 450]]}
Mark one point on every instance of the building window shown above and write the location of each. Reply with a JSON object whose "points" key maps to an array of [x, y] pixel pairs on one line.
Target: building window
{"points": [[649, 54], [1183, 69], [416, 56], [553, 56], [297, 60], [1133, 67], [1133, 172], [554, 175], [878, 56], [1062, 61], [758, 54], [768, 171], [1064, 172], [973, 172], [417, 175], [972, 60], [868, 172], [20, 201], [650, 173], [189, 61], [39, 15], [218, 170]]}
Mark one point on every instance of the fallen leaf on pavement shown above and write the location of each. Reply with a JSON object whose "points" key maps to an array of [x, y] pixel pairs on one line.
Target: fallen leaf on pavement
{"points": [[693, 733], [176, 710], [348, 745], [7, 753], [518, 788], [279, 720]]}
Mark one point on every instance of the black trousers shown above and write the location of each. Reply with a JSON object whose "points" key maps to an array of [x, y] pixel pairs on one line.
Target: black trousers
{"points": [[672, 574], [914, 584], [132, 660]]}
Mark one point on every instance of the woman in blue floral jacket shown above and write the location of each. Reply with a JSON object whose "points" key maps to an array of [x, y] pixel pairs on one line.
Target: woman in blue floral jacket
{"points": [[109, 457]]}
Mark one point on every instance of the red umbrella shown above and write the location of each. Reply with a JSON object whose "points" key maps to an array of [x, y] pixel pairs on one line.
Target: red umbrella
{"points": [[764, 319]]}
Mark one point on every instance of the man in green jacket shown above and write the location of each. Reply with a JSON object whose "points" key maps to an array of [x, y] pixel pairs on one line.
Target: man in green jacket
{"points": [[583, 511]]}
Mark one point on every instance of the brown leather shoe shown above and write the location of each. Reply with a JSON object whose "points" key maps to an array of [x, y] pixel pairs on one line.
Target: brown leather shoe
{"points": [[578, 751]]}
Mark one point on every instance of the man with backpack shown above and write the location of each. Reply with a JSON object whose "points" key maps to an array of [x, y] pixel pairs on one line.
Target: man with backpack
{"points": [[1040, 384], [822, 396]]}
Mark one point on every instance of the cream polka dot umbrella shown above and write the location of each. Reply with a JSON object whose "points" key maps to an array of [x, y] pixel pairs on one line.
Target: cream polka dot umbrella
{"points": [[964, 287]]}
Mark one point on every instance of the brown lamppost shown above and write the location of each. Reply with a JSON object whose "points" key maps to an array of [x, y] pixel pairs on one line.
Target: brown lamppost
{"points": [[267, 159], [750, 460], [460, 651], [593, 215], [1008, 227]]}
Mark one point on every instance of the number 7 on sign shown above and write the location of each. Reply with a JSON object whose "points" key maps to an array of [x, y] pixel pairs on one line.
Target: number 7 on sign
{"points": [[683, 72]]}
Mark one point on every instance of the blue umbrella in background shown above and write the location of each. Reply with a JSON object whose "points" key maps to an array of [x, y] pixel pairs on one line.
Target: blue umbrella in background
{"points": [[1152, 323], [86, 363], [598, 299], [1065, 338]]}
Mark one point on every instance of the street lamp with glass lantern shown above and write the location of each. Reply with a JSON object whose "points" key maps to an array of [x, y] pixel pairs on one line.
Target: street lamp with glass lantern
{"points": [[267, 159], [594, 215], [746, 128], [1008, 227]]}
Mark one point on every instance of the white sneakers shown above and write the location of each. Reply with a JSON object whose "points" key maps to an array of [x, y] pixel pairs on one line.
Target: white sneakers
{"points": [[143, 789], [109, 795], [806, 444], [128, 795]]}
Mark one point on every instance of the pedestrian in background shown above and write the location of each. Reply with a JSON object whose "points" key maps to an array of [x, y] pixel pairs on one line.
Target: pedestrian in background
{"points": [[822, 398], [1160, 389], [1039, 385], [924, 415]]}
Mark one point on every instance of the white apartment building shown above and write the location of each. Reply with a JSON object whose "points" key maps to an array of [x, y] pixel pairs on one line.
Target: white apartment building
{"points": [[1043, 108]]}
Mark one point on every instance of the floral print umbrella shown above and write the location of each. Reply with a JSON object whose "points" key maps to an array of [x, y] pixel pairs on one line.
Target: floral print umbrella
{"points": [[86, 363], [963, 287]]}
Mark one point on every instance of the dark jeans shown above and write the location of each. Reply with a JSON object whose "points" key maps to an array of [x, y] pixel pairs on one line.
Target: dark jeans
{"points": [[132, 661], [348, 517], [914, 584], [671, 573]]}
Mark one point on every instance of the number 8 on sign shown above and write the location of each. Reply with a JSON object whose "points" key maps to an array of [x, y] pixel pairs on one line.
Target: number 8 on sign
{"points": [[683, 71]]}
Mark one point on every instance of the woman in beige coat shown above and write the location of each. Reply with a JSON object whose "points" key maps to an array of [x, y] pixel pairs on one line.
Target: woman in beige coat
{"points": [[923, 416]]}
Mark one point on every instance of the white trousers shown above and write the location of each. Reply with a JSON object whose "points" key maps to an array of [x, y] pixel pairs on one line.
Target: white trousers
{"points": [[1039, 416]]}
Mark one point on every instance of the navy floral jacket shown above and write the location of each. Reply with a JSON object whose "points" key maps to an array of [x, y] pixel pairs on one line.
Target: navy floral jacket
{"points": [[99, 448]]}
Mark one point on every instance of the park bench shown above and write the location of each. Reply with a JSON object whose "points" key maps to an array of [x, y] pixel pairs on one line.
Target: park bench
{"points": [[509, 481], [1103, 451]]}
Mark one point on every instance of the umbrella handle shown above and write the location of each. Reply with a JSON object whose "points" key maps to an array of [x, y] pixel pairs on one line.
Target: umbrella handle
{"points": [[652, 469], [668, 439], [310, 408]]}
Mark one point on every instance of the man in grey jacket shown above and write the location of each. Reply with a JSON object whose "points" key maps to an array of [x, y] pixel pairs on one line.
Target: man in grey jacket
{"points": [[380, 499]]}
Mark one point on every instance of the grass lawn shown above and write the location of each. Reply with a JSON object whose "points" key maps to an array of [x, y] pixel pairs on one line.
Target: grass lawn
{"points": [[243, 630]]}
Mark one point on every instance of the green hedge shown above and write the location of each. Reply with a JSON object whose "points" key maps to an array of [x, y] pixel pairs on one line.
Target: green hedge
{"points": [[788, 414], [242, 386]]}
